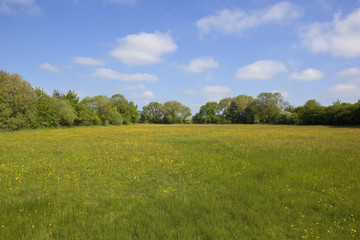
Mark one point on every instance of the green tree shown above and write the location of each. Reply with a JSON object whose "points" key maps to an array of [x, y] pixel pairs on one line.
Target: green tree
{"points": [[311, 113], [53, 111], [175, 112], [287, 117], [152, 113], [128, 110], [269, 106], [224, 105], [209, 113], [103, 108], [241, 109], [17, 102]]}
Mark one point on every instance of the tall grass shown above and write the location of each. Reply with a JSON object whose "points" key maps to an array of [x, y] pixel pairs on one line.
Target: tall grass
{"points": [[181, 182]]}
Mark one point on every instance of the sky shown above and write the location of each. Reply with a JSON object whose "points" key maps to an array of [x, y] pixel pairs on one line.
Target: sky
{"points": [[191, 51]]}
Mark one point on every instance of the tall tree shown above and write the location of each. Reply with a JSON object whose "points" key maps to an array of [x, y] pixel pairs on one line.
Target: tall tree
{"points": [[311, 113], [241, 109], [152, 113], [209, 113], [224, 105], [17, 102], [269, 106], [53, 111], [175, 112], [102, 106], [128, 110]]}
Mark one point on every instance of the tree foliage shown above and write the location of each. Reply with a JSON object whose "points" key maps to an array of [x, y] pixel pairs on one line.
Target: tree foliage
{"points": [[152, 113], [209, 113], [21, 106], [175, 112], [168, 113], [128, 110], [17, 102]]}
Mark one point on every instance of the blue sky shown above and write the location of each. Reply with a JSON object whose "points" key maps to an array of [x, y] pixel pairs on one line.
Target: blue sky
{"points": [[190, 51]]}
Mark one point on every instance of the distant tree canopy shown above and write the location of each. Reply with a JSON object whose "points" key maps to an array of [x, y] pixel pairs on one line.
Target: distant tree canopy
{"points": [[22, 106], [209, 113], [169, 112], [271, 108]]}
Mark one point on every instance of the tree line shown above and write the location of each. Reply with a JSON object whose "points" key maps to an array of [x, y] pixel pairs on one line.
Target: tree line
{"points": [[22, 106], [271, 108]]}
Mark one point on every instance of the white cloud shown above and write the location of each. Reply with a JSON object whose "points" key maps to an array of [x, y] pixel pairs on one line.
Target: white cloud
{"points": [[107, 73], [136, 87], [15, 6], [144, 95], [88, 61], [215, 93], [200, 64], [307, 75], [143, 48], [237, 21], [341, 37], [210, 93], [48, 67], [148, 94], [263, 69], [345, 90], [350, 72]]}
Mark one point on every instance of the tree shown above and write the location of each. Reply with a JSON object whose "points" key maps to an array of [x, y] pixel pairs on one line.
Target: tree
{"points": [[127, 109], [17, 102], [175, 112], [152, 113], [57, 94], [209, 113], [103, 108], [74, 100], [224, 105], [311, 113], [53, 111], [269, 106], [241, 109], [287, 117]]}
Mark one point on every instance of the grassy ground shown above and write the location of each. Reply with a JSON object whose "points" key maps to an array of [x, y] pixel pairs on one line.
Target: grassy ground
{"points": [[181, 182]]}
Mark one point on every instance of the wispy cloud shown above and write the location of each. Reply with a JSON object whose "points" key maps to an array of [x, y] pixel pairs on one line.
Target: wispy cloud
{"points": [[210, 93], [107, 73], [144, 95], [215, 93], [261, 70], [143, 48], [16, 6], [350, 72], [307, 75], [345, 90], [136, 87], [88, 61], [48, 67], [341, 37], [200, 65], [238, 21]]}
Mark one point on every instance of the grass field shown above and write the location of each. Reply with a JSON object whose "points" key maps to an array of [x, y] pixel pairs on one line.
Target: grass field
{"points": [[181, 182]]}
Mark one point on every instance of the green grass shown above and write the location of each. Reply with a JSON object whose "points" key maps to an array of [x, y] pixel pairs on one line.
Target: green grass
{"points": [[181, 182]]}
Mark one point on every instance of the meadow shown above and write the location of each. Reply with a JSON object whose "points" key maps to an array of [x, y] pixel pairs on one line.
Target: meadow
{"points": [[181, 182]]}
